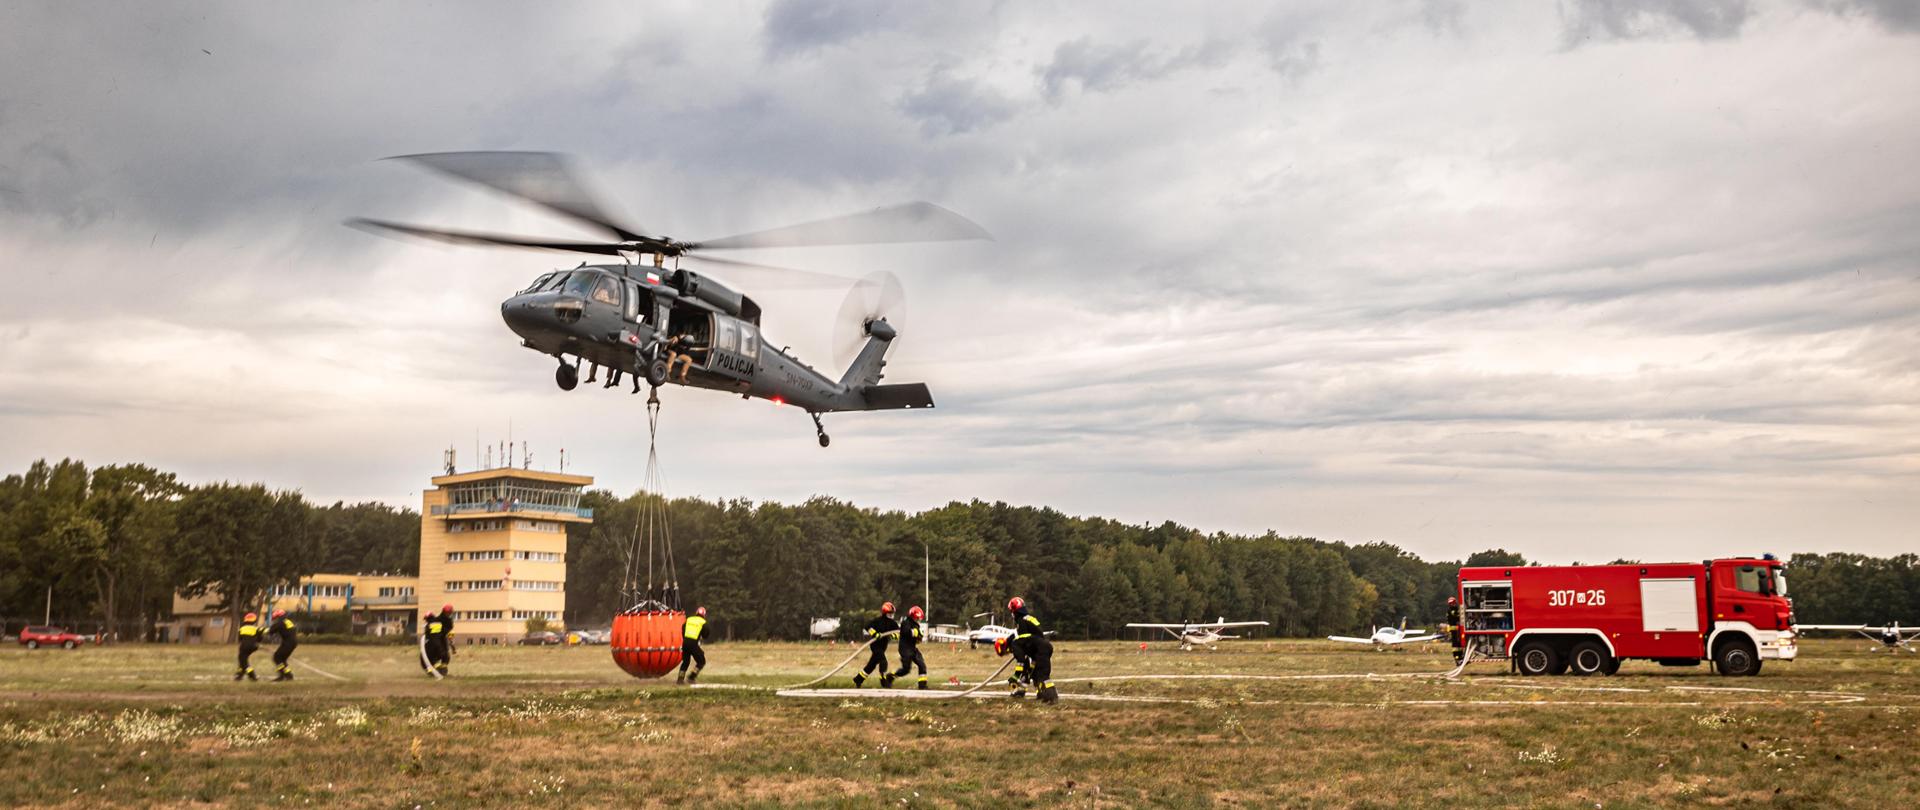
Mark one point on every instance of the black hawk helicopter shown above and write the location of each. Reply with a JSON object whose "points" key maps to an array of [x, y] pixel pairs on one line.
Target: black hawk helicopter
{"points": [[668, 324]]}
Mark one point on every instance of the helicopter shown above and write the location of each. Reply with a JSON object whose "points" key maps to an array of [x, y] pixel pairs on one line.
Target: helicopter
{"points": [[669, 324]]}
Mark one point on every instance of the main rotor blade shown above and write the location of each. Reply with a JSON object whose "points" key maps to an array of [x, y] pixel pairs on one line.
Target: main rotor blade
{"points": [[773, 276], [541, 178], [475, 238], [908, 222]]}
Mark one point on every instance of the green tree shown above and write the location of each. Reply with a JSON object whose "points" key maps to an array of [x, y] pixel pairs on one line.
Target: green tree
{"points": [[236, 541]]}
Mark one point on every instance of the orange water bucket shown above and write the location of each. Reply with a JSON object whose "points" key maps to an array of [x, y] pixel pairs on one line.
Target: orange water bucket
{"points": [[646, 643]]}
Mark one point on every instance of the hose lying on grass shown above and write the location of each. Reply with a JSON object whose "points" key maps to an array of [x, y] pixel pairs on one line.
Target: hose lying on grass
{"points": [[317, 670], [843, 664]]}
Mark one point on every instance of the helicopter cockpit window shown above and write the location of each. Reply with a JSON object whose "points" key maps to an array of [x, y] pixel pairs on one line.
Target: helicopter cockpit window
{"points": [[723, 340], [538, 283], [580, 283], [553, 284], [607, 291], [749, 344], [632, 311]]}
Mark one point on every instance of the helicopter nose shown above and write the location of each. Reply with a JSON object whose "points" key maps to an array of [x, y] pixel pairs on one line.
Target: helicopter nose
{"points": [[520, 316]]}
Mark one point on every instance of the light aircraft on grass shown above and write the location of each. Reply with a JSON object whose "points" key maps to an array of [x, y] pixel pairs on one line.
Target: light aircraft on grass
{"points": [[1384, 637], [1893, 636], [1205, 633]]}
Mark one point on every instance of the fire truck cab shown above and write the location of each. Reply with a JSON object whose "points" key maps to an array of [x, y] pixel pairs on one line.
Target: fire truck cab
{"points": [[1586, 619]]}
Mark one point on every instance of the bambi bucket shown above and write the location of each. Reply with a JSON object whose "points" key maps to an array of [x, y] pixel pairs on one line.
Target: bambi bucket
{"points": [[646, 643]]}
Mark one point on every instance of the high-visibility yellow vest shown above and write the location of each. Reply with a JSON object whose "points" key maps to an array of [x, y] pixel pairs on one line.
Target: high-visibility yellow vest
{"points": [[249, 631], [695, 624], [433, 628]]}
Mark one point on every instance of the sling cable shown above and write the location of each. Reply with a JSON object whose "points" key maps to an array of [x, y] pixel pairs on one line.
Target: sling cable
{"points": [[646, 636]]}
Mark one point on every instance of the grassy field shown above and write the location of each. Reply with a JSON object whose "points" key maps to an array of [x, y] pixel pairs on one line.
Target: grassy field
{"points": [[1323, 726]]}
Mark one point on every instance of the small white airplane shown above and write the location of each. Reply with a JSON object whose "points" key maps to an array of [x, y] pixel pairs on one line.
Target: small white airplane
{"points": [[973, 636], [1384, 637], [1895, 637], [1207, 633]]}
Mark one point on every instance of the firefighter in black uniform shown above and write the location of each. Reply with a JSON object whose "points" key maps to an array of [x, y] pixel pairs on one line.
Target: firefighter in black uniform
{"points": [[1030, 640], [439, 640], [289, 638], [910, 636], [880, 633], [692, 634], [249, 642]]}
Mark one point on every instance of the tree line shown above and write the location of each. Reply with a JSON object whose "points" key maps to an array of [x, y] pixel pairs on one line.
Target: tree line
{"points": [[108, 547], [111, 545]]}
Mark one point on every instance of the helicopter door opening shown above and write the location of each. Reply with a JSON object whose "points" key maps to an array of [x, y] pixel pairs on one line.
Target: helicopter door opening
{"points": [[695, 327]]}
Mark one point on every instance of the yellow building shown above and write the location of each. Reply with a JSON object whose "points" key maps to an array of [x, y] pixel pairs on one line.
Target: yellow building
{"points": [[379, 604], [493, 543]]}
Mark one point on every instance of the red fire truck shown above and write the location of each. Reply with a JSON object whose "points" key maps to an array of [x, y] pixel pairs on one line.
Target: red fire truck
{"points": [[1548, 620]]}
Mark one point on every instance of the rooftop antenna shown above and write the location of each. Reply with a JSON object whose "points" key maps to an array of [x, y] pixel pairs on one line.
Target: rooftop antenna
{"points": [[526, 456], [563, 459], [447, 459]]}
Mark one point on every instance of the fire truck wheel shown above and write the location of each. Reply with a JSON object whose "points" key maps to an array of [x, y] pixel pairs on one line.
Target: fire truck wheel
{"points": [[1613, 666], [1589, 658], [1736, 658], [1538, 658]]}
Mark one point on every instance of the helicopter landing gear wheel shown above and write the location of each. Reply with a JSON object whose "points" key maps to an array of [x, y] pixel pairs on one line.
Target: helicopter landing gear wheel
{"points": [[567, 377], [821, 429], [657, 372]]}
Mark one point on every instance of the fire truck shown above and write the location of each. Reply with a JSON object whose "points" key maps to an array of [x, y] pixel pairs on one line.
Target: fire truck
{"points": [[1586, 619]]}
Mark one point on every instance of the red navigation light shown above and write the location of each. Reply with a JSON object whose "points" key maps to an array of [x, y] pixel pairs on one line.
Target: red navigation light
{"points": [[779, 401]]}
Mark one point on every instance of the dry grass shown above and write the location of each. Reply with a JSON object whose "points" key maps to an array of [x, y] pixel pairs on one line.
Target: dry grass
{"points": [[563, 727]]}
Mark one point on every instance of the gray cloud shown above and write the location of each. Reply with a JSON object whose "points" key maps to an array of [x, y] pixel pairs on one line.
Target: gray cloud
{"points": [[1589, 20], [1898, 16], [1084, 66], [1253, 269], [950, 105]]}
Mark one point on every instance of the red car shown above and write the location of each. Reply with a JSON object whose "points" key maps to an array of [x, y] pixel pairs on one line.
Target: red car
{"points": [[37, 637]]}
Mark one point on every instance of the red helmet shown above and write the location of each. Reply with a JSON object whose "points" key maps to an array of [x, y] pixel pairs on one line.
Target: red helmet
{"points": [[1000, 646], [1016, 603], [700, 611], [446, 608], [253, 617], [278, 613], [915, 613], [886, 608]]}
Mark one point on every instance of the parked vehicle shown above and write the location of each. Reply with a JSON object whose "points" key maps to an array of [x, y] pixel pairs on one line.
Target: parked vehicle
{"points": [[35, 637], [1586, 619], [541, 639]]}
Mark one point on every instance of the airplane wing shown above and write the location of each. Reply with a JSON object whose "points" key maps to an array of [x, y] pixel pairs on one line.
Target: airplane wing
{"points": [[1163, 626], [1350, 639], [1405, 639], [943, 636], [1225, 625]]}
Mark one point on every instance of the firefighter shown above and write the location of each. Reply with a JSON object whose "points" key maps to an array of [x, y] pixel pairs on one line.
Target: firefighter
{"points": [[289, 638], [439, 640], [692, 634], [880, 633], [1030, 640], [910, 636], [249, 642]]}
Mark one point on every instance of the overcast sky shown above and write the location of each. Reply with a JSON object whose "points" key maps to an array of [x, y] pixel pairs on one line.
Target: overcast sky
{"points": [[1583, 280]]}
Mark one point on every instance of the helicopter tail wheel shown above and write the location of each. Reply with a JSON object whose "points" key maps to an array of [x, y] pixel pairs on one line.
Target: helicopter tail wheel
{"points": [[566, 377], [657, 372], [821, 429]]}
